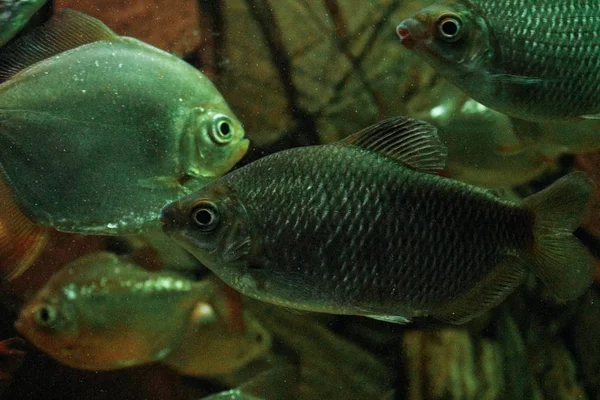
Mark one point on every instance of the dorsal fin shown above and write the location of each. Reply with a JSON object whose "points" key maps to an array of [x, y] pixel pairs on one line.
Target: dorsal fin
{"points": [[67, 30], [412, 142]]}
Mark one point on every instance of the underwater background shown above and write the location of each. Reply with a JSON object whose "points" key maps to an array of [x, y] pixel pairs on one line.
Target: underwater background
{"points": [[308, 72]]}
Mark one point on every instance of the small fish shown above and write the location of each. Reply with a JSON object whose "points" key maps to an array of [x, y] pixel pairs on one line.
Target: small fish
{"points": [[14, 14], [365, 227], [103, 313], [509, 58], [99, 131]]}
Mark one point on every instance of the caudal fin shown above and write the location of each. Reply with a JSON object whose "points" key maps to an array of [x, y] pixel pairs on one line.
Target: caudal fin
{"points": [[558, 259], [21, 241]]}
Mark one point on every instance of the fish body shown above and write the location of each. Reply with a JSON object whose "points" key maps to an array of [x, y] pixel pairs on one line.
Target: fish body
{"points": [[103, 313], [363, 227], [104, 130], [14, 14], [533, 60]]}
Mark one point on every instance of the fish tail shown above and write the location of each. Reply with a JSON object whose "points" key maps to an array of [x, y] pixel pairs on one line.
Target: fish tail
{"points": [[558, 259], [21, 241]]}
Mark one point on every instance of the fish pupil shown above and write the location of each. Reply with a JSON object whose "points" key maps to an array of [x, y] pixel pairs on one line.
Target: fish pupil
{"points": [[449, 28], [205, 216], [224, 128], [45, 316]]}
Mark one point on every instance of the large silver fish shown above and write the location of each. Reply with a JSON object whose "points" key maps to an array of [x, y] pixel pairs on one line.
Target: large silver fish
{"points": [[98, 131]]}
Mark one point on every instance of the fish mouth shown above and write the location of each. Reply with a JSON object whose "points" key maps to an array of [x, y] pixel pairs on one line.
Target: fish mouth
{"points": [[410, 31], [169, 216]]}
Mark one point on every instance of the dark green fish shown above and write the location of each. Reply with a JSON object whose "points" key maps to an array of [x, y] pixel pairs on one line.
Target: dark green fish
{"points": [[99, 131], [364, 227], [530, 59], [14, 14]]}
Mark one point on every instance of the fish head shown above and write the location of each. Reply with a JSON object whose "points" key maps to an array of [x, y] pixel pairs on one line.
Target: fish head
{"points": [[213, 225], [50, 322], [217, 140], [451, 36]]}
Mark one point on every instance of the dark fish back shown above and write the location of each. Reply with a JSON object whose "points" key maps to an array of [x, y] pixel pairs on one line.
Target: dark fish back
{"points": [[369, 230]]}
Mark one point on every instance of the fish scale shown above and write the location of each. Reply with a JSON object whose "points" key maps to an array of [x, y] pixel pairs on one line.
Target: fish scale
{"points": [[552, 52], [383, 248]]}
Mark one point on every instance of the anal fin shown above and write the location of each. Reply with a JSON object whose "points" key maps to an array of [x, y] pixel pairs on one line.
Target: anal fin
{"points": [[486, 294]]}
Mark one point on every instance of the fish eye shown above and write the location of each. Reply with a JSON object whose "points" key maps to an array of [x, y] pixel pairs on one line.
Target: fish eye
{"points": [[449, 28], [205, 216], [45, 316], [222, 130]]}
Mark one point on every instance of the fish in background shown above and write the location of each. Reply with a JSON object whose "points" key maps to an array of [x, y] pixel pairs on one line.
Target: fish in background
{"points": [[99, 131], [277, 383], [14, 14], [103, 313], [556, 138], [532, 60], [477, 138], [365, 227]]}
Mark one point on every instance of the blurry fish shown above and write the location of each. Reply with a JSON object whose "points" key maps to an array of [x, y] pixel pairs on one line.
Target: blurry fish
{"points": [[99, 131], [363, 227], [12, 354], [102, 313], [477, 138], [509, 58], [277, 383], [556, 138], [14, 14], [218, 337]]}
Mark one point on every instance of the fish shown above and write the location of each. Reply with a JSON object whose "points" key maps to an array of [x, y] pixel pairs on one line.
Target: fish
{"points": [[364, 226], [14, 14], [484, 148], [99, 131], [505, 56], [101, 312], [276, 383]]}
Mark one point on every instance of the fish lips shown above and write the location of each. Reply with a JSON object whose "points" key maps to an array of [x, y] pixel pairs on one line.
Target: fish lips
{"points": [[410, 31]]}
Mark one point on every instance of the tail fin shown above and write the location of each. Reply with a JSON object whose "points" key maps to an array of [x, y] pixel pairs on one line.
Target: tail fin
{"points": [[21, 241], [558, 259]]}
